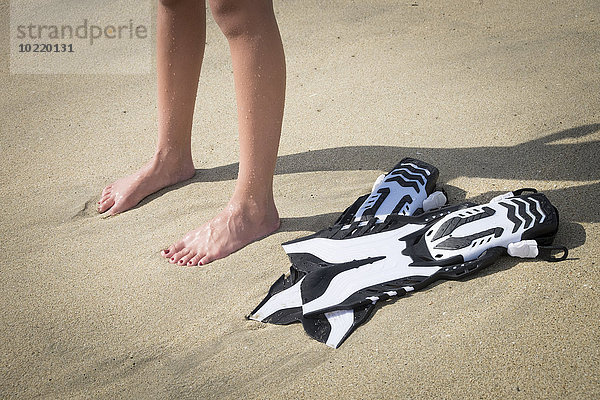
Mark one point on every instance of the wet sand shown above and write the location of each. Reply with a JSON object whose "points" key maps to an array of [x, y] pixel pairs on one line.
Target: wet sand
{"points": [[497, 96]]}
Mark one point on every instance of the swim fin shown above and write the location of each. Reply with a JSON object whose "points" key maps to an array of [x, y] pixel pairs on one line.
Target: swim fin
{"points": [[405, 254], [341, 272], [450, 243], [404, 191]]}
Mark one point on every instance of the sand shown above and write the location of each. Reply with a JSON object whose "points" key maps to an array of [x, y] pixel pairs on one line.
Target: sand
{"points": [[497, 96]]}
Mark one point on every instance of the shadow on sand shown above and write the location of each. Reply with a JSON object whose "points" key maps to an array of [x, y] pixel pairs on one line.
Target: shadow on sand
{"points": [[545, 159]]}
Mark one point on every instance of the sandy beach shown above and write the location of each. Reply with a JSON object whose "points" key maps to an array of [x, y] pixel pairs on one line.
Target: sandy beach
{"points": [[497, 95]]}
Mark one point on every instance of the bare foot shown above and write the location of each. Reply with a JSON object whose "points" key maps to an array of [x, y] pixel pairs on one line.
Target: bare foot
{"points": [[236, 226], [160, 172]]}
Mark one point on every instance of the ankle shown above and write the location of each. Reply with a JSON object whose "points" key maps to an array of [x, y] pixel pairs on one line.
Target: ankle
{"points": [[173, 158], [260, 209]]}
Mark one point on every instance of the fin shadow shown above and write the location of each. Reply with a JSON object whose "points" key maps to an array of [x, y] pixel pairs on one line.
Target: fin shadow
{"points": [[311, 223]]}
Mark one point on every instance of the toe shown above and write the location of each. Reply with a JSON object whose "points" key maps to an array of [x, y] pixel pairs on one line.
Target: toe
{"points": [[172, 249], [106, 204], [184, 260], [177, 256], [194, 260], [104, 197], [106, 190], [206, 259]]}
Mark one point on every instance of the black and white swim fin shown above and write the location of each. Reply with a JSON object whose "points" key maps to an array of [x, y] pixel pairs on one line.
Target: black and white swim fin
{"points": [[341, 272], [406, 190], [405, 254], [414, 252]]}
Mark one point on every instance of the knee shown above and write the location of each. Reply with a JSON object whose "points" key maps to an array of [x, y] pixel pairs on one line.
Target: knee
{"points": [[171, 3], [230, 15], [238, 17]]}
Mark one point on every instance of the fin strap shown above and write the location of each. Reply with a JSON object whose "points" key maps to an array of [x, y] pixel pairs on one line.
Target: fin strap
{"points": [[549, 253]]}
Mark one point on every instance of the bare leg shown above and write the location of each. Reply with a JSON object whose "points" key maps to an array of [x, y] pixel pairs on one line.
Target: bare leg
{"points": [[259, 74], [181, 33]]}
